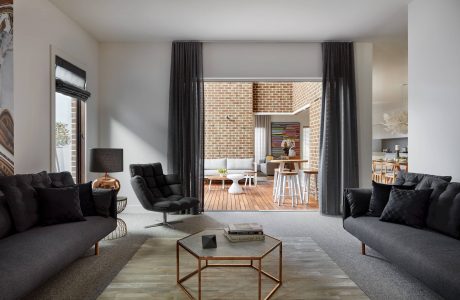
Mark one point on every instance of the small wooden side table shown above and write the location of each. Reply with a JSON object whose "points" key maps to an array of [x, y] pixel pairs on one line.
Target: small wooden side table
{"points": [[121, 229]]}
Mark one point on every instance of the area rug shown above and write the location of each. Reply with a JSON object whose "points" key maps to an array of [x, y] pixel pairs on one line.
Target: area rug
{"points": [[308, 273]]}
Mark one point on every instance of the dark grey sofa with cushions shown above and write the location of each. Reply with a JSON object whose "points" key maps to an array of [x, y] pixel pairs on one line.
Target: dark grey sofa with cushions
{"points": [[29, 258], [429, 254]]}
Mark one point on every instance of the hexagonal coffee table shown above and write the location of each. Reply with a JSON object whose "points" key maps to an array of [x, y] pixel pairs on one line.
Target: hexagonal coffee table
{"points": [[253, 251]]}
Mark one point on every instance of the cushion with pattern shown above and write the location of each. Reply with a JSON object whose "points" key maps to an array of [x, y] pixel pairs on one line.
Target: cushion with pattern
{"points": [[59, 205]]}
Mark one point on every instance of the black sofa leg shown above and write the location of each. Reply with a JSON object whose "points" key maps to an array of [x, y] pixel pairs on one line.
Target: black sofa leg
{"points": [[363, 248], [164, 223], [96, 248]]}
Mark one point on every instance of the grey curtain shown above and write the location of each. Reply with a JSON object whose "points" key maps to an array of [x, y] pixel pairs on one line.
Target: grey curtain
{"points": [[338, 167], [186, 117], [261, 136]]}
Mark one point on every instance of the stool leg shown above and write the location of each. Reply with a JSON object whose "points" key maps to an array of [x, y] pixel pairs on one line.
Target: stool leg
{"points": [[275, 183], [299, 189], [308, 188], [291, 189], [283, 191], [278, 189]]}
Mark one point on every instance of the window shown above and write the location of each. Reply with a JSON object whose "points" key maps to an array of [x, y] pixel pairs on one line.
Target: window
{"points": [[69, 118], [69, 138]]}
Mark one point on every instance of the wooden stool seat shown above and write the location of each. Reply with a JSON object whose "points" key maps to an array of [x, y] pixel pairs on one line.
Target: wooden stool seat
{"points": [[289, 173], [311, 171]]}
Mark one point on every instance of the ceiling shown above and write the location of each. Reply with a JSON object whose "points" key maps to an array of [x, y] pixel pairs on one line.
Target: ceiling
{"points": [[252, 20]]}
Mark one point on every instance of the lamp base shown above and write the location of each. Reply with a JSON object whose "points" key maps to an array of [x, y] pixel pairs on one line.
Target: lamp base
{"points": [[106, 182]]}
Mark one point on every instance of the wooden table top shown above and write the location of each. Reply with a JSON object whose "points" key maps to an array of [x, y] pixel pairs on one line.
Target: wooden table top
{"points": [[289, 160]]}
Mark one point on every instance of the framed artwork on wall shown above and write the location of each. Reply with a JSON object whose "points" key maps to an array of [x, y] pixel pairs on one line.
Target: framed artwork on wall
{"points": [[285, 139], [6, 89]]}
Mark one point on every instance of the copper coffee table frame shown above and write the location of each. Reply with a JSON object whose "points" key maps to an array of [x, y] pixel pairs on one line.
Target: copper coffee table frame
{"points": [[258, 268]]}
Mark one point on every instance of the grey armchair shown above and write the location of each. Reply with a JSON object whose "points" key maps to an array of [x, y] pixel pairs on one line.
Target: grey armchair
{"points": [[159, 192]]}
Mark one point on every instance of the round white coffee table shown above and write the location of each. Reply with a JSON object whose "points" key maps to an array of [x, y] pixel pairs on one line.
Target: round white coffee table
{"points": [[235, 188]]}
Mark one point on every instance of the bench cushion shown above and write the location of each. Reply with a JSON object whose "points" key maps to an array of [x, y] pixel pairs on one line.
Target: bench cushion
{"points": [[427, 255], [30, 258]]}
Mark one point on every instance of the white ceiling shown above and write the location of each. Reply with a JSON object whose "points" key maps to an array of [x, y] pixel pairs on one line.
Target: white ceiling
{"points": [[253, 20]]}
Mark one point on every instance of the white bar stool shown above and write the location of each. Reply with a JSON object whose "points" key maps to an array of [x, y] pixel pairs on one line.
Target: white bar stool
{"points": [[276, 177], [293, 181], [306, 183], [248, 176]]}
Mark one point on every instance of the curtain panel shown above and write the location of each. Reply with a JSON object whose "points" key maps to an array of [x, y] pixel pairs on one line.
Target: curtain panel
{"points": [[338, 167], [186, 117], [261, 137]]}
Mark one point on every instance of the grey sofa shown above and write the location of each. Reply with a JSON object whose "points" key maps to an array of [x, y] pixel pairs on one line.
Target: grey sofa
{"points": [[268, 168], [430, 254], [233, 165], [29, 258]]}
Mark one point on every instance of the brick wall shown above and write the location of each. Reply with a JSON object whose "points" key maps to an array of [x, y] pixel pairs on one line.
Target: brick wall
{"points": [[232, 138], [304, 93], [272, 97], [315, 123]]}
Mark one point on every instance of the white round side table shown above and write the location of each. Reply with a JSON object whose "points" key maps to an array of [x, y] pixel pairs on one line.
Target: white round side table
{"points": [[235, 188]]}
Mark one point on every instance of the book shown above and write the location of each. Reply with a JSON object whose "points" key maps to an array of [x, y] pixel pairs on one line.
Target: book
{"points": [[244, 238], [227, 230], [245, 228]]}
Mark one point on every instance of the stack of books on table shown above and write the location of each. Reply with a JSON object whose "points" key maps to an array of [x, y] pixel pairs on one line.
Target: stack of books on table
{"points": [[244, 232]]}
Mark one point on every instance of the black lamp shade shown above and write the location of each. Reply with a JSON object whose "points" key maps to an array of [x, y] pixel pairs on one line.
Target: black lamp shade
{"points": [[106, 160]]}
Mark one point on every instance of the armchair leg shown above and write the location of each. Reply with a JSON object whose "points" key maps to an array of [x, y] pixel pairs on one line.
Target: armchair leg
{"points": [[164, 223]]}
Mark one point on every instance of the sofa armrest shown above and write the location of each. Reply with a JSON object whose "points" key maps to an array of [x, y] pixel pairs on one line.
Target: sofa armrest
{"points": [[362, 194], [104, 195]]}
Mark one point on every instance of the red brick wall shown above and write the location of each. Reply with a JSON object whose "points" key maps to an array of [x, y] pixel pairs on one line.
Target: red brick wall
{"points": [[315, 123], [272, 97], [304, 93], [232, 138]]}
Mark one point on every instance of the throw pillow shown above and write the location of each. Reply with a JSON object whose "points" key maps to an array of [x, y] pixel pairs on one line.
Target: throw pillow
{"points": [[380, 195], [59, 205], [87, 205], [21, 197], [408, 207], [444, 211], [359, 202], [103, 201]]}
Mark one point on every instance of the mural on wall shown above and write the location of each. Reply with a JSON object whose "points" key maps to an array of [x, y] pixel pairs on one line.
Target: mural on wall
{"points": [[285, 139], [6, 88]]}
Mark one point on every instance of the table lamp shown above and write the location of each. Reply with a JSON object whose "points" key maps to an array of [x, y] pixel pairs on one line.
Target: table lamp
{"points": [[106, 160]]}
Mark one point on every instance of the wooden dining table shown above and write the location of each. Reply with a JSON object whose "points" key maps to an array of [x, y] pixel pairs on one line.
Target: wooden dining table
{"points": [[296, 162]]}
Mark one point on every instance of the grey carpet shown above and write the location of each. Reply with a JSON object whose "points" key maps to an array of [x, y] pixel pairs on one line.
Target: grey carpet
{"points": [[379, 279]]}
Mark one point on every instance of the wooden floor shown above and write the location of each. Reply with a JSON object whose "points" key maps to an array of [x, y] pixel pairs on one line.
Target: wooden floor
{"points": [[254, 198]]}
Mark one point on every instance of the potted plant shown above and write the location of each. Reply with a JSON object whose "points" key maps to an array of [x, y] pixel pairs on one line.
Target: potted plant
{"points": [[222, 172]]}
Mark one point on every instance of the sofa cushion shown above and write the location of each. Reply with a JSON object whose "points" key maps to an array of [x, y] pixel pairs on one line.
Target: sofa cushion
{"points": [[214, 164], [21, 196], [358, 201], [85, 193], [408, 207], [61, 179], [380, 196], [59, 205], [6, 222], [427, 255], [408, 178], [240, 164], [30, 258], [444, 211]]}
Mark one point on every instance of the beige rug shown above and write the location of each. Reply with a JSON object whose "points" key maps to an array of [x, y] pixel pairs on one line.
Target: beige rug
{"points": [[308, 273]]}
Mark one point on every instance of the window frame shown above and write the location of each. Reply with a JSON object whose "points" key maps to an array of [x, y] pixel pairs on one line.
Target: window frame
{"points": [[81, 118]]}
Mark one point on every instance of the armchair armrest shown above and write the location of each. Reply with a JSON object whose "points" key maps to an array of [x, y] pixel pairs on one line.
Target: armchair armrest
{"points": [[361, 198], [142, 192], [107, 196]]}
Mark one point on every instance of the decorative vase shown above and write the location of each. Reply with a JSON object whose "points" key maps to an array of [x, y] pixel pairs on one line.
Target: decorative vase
{"points": [[292, 152], [286, 151]]}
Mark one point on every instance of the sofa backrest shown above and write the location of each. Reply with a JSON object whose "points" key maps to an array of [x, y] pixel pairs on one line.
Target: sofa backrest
{"points": [[6, 221], [240, 163], [215, 164], [415, 178], [444, 211]]}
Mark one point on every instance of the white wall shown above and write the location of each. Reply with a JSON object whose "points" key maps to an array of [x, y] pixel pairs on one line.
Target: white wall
{"points": [[37, 25], [262, 60], [434, 87], [363, 75], [134, 90]]}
